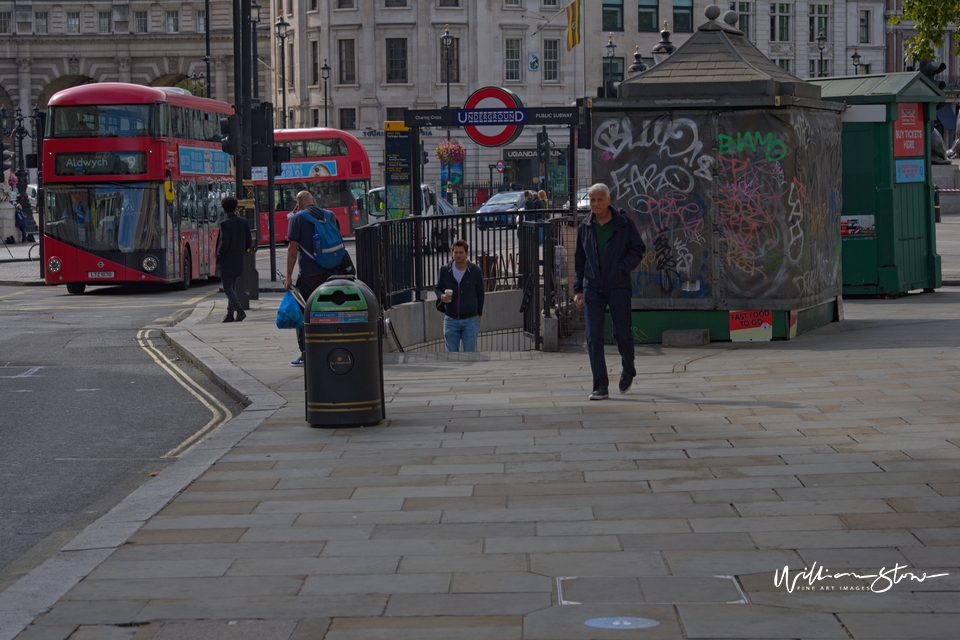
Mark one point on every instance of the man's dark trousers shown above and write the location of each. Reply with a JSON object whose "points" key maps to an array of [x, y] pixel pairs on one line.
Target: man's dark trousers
{"points": [[306, 287], [595, 303]]}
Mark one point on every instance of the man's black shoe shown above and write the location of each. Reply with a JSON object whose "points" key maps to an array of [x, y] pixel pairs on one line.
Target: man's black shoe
{"points": [[228, 317], [598, 394], [626, 381], [241, 316]]}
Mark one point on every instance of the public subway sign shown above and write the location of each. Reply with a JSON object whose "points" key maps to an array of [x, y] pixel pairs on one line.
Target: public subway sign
{"points": [[908, 130], [492, 116]]}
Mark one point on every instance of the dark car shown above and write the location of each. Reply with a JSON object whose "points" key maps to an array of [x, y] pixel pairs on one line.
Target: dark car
{"points": [[502, 210]]}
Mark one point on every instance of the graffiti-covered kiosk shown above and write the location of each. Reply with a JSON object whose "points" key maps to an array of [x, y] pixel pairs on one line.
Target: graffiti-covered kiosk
{"points": [[731, 169]]}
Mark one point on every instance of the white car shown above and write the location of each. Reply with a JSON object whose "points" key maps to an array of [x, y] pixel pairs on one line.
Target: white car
{"points": [[430, 204], [32, 196]]}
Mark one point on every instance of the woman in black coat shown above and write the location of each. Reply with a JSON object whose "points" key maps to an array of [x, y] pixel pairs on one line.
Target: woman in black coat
{"points": [[233, 243]]}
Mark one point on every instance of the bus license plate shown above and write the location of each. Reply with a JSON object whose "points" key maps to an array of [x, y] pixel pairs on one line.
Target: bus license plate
{"points": [[100, 274]]}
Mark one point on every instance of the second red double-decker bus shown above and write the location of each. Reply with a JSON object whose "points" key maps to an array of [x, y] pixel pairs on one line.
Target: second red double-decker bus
{"points": [[329, 163], [134, 176]]}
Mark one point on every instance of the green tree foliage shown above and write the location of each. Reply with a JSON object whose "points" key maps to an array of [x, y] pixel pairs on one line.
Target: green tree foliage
{"points": [[932, 17]]}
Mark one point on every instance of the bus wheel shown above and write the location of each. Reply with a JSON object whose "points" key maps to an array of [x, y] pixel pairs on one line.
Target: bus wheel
{"points": [[76, 288], [187, 271]]}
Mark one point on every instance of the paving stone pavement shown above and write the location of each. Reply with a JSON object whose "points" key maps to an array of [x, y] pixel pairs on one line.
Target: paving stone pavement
{"points": [[495, 488]]}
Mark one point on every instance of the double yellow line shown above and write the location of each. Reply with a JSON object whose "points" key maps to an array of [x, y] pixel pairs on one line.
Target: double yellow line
{"points": [[221, 414]]}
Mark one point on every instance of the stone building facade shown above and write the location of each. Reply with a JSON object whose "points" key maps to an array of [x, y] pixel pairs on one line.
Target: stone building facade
{"points": [[49, 46], [386, 55]]}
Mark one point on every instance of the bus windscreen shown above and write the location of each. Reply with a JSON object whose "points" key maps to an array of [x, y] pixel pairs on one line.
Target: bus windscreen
{"points": [[106, 217], [107, 121]]}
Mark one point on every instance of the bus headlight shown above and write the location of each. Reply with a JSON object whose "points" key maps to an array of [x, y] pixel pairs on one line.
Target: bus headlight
{"points": [[149, 264], [54, 265]]}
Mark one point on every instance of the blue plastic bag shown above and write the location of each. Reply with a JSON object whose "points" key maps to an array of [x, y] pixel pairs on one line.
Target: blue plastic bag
{"points": [[289, 315]]}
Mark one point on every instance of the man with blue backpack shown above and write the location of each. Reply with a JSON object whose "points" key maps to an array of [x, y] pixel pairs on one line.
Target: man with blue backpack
{"points": [[315, 243]]}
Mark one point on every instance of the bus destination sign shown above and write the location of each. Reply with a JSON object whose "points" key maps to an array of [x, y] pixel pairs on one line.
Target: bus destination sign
{"points": [[101, 163]]}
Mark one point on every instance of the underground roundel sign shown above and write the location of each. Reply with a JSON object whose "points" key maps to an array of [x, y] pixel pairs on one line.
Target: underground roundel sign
{"points": [[495, 105]]}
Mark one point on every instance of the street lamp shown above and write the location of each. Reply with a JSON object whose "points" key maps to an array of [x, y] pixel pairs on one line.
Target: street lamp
{"points": [[821, 43], [254, 21], [662, 50], [196, 78], [282, 26], [638, 66], [856, 62], [447, 41], [325, 74], [611, 50]]}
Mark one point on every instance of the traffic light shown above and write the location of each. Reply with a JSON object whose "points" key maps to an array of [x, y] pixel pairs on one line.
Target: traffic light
{"points": [[7, 157], [259, 123], [230, 134], [424, 158], [280, 155], [930, 69], [543, 146]]}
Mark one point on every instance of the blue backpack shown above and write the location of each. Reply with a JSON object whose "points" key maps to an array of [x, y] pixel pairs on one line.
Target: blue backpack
{"points": [[328, 249]]}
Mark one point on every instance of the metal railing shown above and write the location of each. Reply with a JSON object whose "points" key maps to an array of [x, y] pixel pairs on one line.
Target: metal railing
{"points": [[400, 261]]}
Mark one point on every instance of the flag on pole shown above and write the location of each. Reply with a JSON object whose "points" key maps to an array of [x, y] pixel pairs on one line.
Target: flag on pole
{"points": [[573, 24]]}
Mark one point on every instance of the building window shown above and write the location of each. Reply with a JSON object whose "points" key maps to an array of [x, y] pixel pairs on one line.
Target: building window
{"points": [[396, 59], [864, 27], [40, 22], [313, 5], [449, 3], [780, 22], [511, 3], [201, 21], [5, 22], [784, 64], [613, 15], [348, 119], [73, 22], [140, 22], [549, 3], [454, 61], [344, 4], [648, 15], [104, 19], [682, 15], [395, 114], [348, 61], [551, 60], [394, 3], [745, 9], [820, 68], [863, 70], [290, 67], [819, 21], [512, 59], [173, 22], [314, 62], [613, 69], [315, 117]]}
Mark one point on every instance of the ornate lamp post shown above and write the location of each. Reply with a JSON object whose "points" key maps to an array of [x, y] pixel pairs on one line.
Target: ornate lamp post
{"points": [[821, 43], [446, 40], [855, 58], [325, 74], [195, 78], [281, 26], [638, 66], [254, 21], [662, 50]]}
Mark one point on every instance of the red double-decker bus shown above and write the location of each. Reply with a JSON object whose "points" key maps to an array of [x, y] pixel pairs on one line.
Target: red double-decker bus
{"points": [[329, 163], [134, 176]]}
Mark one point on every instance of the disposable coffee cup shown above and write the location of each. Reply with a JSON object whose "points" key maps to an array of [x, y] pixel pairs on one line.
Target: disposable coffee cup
{"points": [[448, 292]]}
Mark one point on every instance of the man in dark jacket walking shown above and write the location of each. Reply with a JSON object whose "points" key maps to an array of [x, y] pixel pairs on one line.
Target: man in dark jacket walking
{"points": [[460, 288], [234, 241], [609, 248]]}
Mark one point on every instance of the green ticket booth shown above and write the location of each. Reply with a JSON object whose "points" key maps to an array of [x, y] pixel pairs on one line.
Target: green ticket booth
{"points": [[887, 223]]}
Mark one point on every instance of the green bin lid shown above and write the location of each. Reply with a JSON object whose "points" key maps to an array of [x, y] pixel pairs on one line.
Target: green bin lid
{"points": [[339, 298]]}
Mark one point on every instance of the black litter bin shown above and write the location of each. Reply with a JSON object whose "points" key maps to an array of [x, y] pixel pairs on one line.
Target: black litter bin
{"points": [[343, 357]]}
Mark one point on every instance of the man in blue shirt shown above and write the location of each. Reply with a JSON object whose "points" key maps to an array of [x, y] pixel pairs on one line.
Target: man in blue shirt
{"points": [[609, 248], [299, 251], [460, 289]]}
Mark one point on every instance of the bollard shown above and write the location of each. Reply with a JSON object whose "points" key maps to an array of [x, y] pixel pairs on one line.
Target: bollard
{"points": [[936, 203]]}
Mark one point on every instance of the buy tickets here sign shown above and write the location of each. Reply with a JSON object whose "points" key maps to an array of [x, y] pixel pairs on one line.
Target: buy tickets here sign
{"points": [[908, 131]]}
